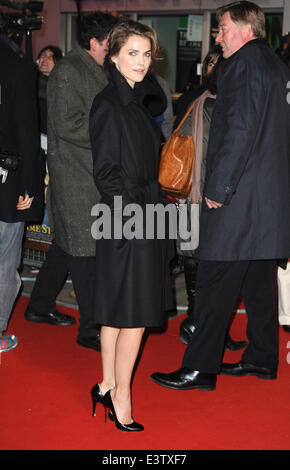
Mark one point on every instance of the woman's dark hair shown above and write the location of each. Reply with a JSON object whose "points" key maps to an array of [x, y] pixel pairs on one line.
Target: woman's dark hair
{"points": [[126, 28], [94, 25], [57, 52], [209, 81]]}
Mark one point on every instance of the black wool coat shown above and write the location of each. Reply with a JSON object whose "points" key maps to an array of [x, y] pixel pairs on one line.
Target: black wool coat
{"points": [[248, 160], [132, 276], [19, 134]]}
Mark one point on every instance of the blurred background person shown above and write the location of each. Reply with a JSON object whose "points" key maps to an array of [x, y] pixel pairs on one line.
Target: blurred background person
{"points": [[191, 92], [284, 50], [284, 297], [46, 60], [166, 119], [20, 194]]}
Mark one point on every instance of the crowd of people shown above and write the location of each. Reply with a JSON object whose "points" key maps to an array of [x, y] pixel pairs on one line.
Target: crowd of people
{"points": [[94, 120]]}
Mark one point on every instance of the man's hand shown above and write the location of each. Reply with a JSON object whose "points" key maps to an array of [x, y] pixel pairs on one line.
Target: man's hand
{"points": [[24, 202], [212, 204]]}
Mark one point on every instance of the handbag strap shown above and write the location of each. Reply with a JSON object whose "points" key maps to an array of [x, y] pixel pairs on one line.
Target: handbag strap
{"points": [[186, 114]]}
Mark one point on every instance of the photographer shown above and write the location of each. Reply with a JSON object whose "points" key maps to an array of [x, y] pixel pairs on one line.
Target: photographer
{"points": [[20, 193]]}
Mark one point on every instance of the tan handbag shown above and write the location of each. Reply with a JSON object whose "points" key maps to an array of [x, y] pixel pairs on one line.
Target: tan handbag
{"points": [[176, 162]]}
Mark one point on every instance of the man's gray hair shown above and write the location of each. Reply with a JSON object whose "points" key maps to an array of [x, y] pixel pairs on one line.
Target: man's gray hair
{"points": [[246, 13]]}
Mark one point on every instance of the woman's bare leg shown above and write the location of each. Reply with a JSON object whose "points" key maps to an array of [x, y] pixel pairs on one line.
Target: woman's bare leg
{"points": [[127, 348], [109, 337]]}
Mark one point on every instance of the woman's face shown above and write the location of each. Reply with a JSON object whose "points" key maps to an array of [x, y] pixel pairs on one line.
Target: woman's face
{"points": [[212, 63], [134, 59]]}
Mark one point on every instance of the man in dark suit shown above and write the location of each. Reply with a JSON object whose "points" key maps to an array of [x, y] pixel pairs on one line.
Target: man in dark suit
{"points": [[245, 221], [19, 187]]}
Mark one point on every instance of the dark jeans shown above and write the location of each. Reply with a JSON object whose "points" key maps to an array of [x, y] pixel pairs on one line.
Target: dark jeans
{"points": [[50, 281], [218, 285]]}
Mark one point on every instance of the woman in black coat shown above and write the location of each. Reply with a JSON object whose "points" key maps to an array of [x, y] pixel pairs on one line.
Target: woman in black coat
{"points": [[132, 278]]}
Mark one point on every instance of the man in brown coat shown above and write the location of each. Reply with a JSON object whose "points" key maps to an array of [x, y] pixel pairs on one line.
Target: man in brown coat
{"points": [[72, 86]]}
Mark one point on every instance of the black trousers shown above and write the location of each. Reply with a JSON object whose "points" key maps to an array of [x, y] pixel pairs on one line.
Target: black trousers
{"points": [[218, 285], [50, 281]]}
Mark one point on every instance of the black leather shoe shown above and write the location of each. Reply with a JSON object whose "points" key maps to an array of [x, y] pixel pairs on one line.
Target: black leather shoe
{"points": [[232, 345], [92, 342], [187, 328], [55, 317], [185, 379], [286, 328], [245, 368]]}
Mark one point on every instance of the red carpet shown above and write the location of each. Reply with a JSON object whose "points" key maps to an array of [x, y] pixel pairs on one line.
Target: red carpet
{"points": [[45, 400]]}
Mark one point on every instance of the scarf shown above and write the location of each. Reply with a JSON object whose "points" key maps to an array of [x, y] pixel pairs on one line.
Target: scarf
{"points": [[197, 134]]}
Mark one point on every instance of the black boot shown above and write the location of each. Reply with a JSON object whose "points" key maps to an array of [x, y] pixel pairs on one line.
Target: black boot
{"points": [[188, 325], [232, 345], [93, 342], [177, 265]]}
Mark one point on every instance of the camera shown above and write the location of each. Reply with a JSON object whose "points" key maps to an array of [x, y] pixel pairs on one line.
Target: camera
{"points": [[27, 20], [17, 25], [8, 160]]}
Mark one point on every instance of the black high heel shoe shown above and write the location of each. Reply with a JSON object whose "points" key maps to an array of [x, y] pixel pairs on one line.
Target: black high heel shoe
{"points": [[97, 397], [132, 427]]}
